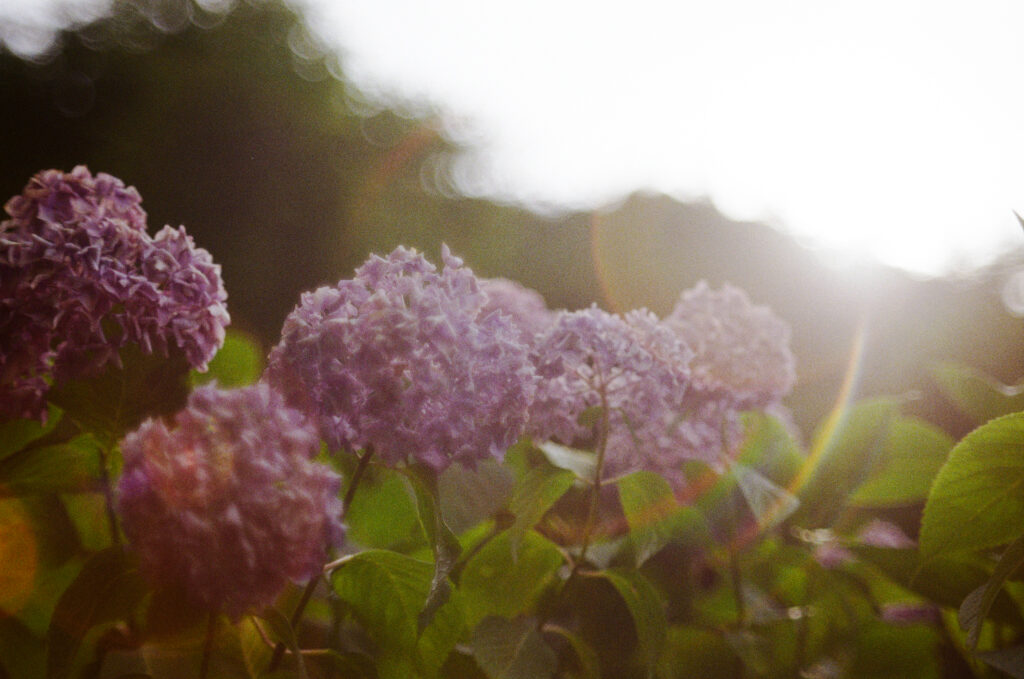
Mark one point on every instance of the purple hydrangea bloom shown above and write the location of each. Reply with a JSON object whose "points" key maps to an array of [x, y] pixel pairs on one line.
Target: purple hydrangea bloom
{"points": [[636, 367], [524, 306], [741, 350], [400, 359], [80, 278], [229, 503]]}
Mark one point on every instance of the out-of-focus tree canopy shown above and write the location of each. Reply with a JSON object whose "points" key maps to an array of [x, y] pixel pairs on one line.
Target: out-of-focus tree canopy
{"points": [[242, 129]]}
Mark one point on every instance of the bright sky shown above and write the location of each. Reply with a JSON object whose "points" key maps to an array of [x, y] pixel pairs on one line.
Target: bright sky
{"points": [[887, 128]]}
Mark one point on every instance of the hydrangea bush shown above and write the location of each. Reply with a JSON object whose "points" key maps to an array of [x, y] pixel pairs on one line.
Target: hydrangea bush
{"points": [[436, 475]]}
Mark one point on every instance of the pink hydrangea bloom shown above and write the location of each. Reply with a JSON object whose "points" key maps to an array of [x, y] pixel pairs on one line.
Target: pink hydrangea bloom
{"points": [[400, 359], [228, 503], [80, 278]]}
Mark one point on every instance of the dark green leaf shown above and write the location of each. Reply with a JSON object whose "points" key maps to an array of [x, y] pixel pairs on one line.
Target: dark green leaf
{"points": [[646, 609], [976, 606], [281, 631], [239, 362], [586, 658], [107, 589], [512, 649], [116, 401], [914, 454], [1009, 660], [977, 501], [22, 654], [64, 467], [16, 434], [977, 395]]}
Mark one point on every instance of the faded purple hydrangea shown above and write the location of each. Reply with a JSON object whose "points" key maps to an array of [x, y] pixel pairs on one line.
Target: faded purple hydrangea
{"points": [[741, 351], [228, 503], [80, 278], [400, 359], [525, 307], [634, 366]]}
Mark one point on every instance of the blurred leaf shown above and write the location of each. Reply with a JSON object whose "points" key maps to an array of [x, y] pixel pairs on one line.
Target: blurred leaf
{"points": [[896, 652], [915, 452], [582, 463], [255, 653], [88, 512], [349, 665], [16, 434], [512, 649], [107, 589], [281, 631], [238, 363], [751, 648], [770, 504], [692, 652], [1009, 660], [536, 489], [977, 395], [64, 467], [645, 607], [493, 584], [22, 654], [977, 604], [847, 448], [768, 446], [586, 658], [977, 500], [650, 507], [116, 401]]}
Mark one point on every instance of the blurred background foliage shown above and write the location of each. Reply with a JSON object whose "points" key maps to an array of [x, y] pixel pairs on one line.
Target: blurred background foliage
{"points": [[232, 120]]}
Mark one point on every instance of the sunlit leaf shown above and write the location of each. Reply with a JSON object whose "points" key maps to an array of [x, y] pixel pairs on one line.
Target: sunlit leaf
{"points": [[651, 510], [239, 362], [976, 394], [382, 513], [977, 500], [512, 649], [582, 463], [534, 492], [914, 454], [770, 504]]}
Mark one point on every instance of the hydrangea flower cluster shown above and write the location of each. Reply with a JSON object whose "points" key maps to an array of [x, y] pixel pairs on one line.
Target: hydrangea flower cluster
{"points": [[634, 366], [525, 307], [401, 359], [80, 278], [229, 503]]}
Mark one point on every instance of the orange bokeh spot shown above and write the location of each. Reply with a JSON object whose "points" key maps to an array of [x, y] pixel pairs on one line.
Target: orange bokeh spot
{"points": [[19, 557]]}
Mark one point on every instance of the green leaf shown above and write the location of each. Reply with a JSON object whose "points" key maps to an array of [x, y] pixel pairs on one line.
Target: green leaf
{"points": [[512, 649], [977, 500], [386, 591], [493, 584], [646, 609], [382, 513], [22, 654], [281, 630], [914, 454], [470, 496], [239, 362], [768, 446], [255, 653], [976, 606], [649, 505], [582, 463], [107, 589], [586, 658], [16, 434], [64, 467], [1009, 660], [534, 492], [443, 543], [976, 394], [116, 401], [846, 450], [770, 504]]}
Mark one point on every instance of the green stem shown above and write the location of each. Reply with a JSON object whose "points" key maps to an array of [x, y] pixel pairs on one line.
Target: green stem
{"points": [[595, 489], [211, 633], [108, 496]]}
